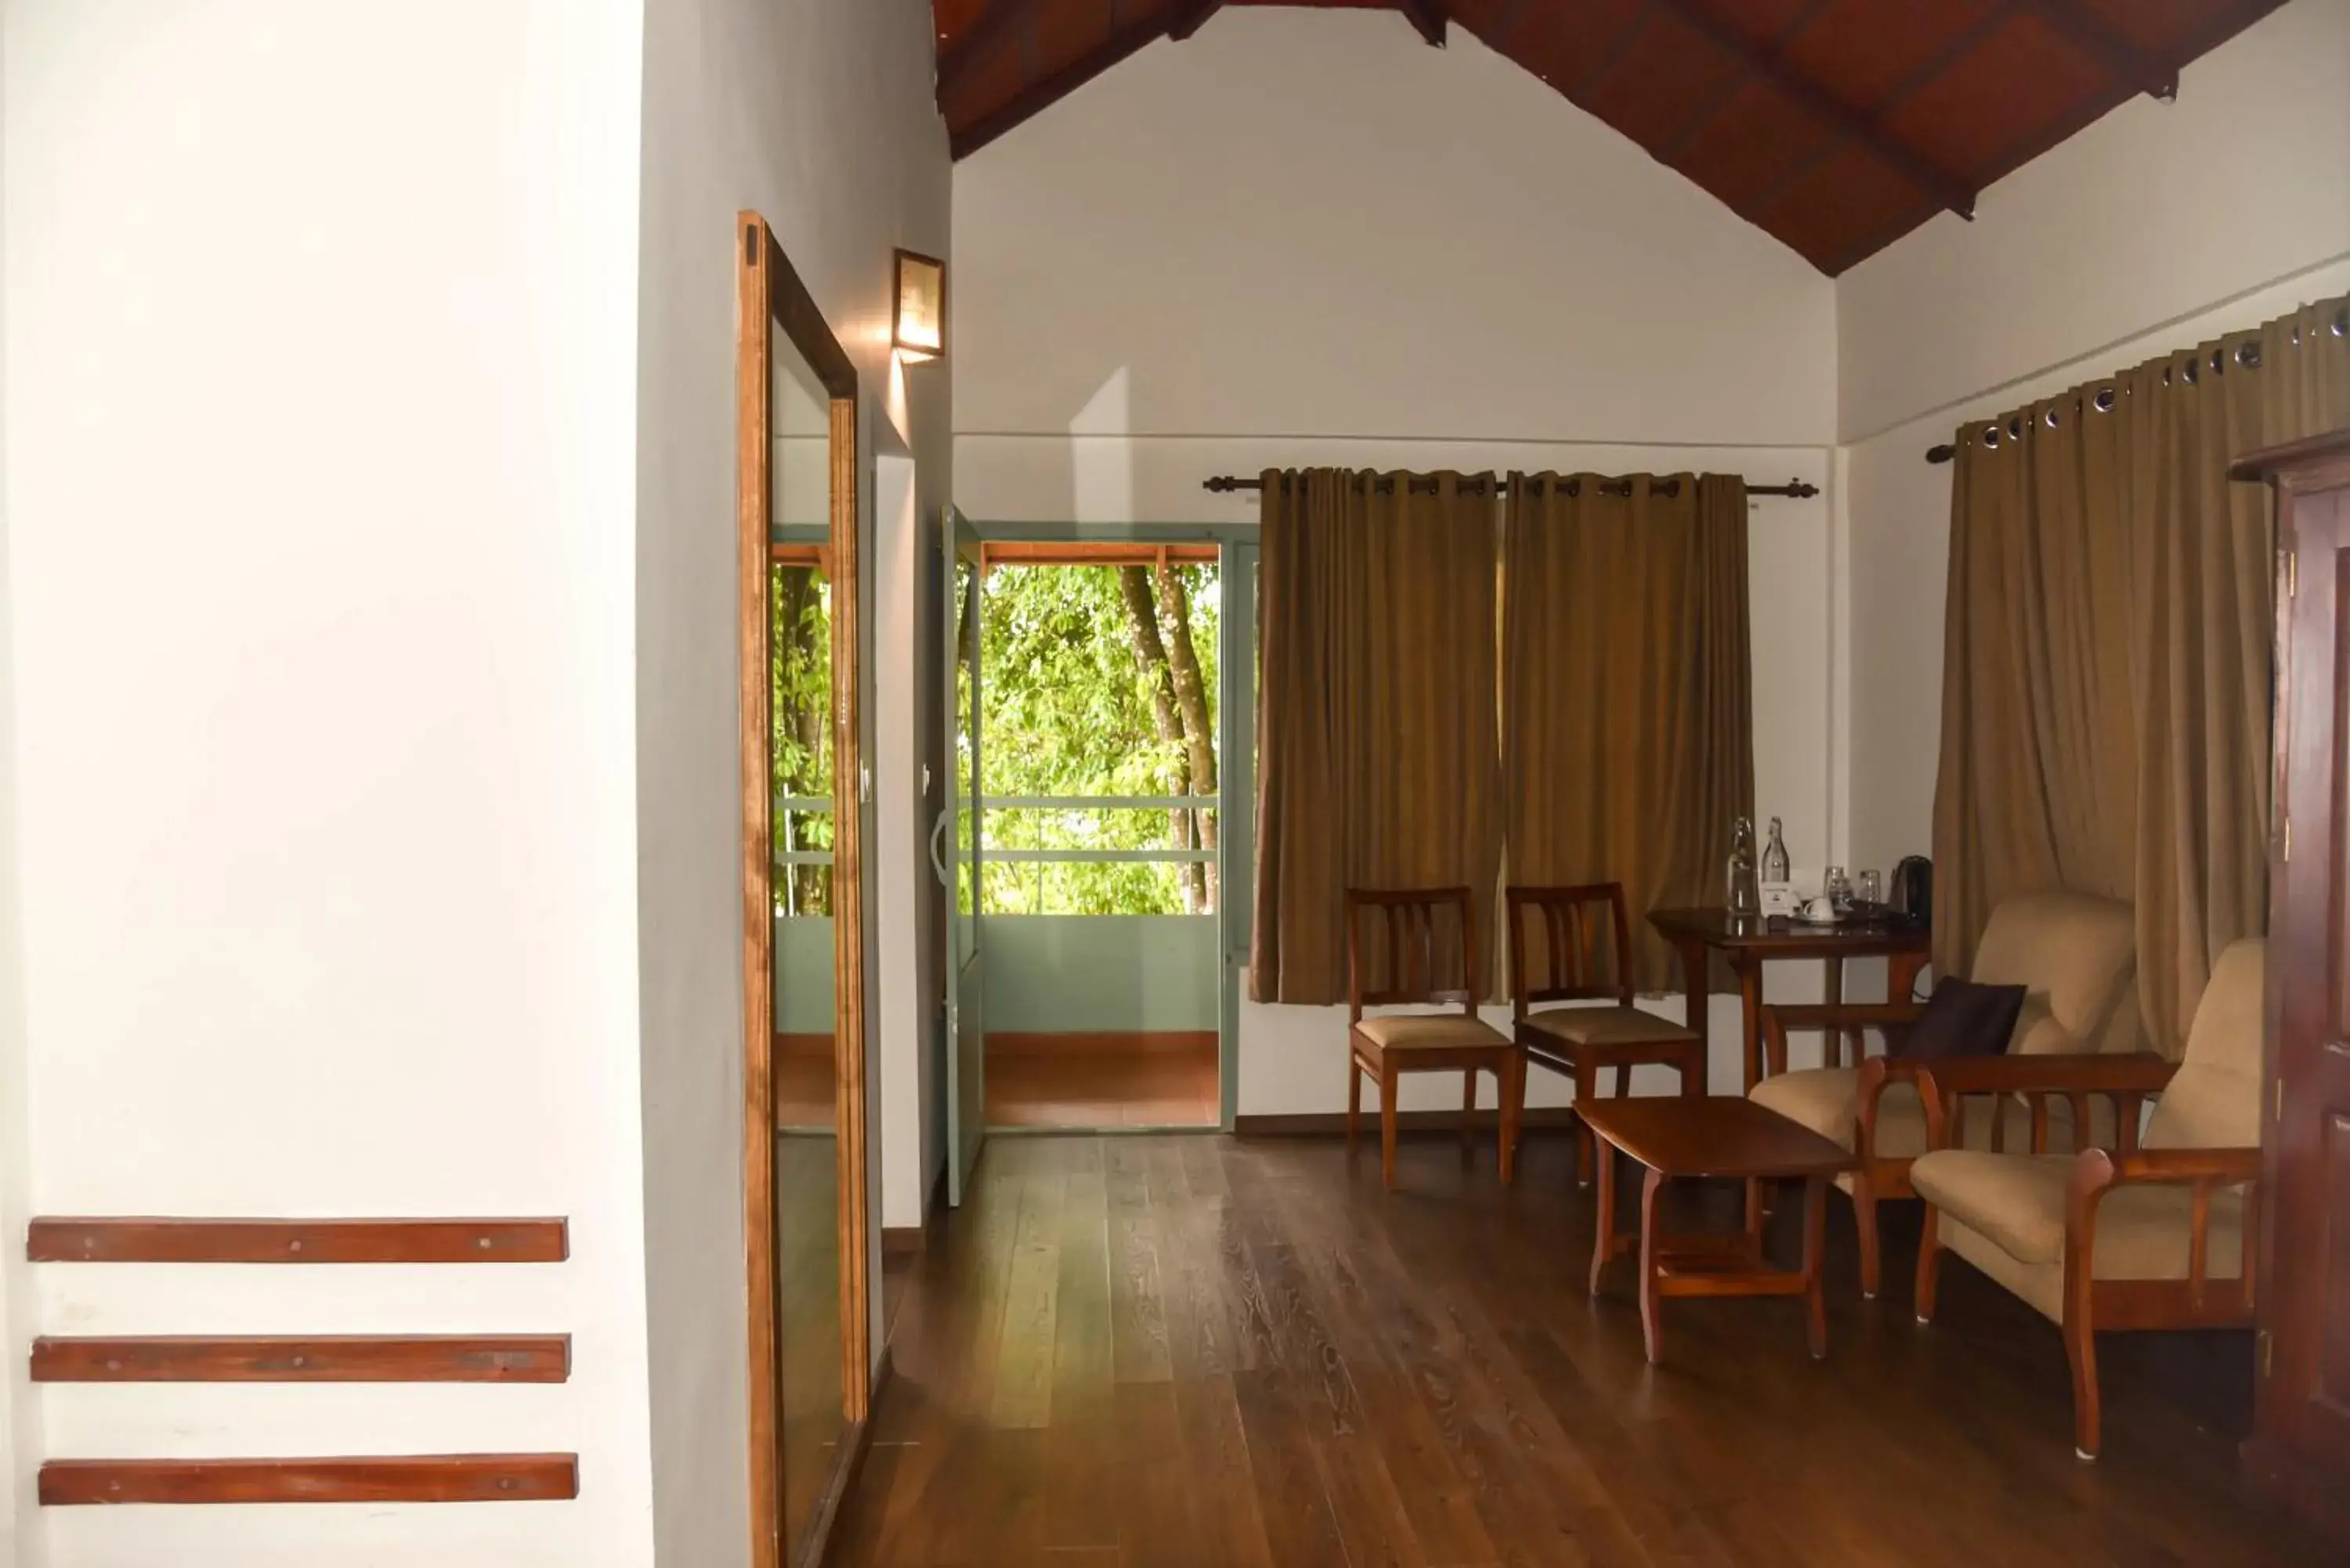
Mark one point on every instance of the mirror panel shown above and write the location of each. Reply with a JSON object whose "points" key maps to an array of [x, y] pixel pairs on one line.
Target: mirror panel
{"points": [[801, 772]]}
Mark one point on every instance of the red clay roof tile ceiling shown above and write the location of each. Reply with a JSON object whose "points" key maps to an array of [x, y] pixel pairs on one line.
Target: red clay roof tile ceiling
{"points": [[1837, 125]]}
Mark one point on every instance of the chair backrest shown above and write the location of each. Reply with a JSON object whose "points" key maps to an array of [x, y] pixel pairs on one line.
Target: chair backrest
{"points": [[2214, 1099], [2075, 956], [1401, 944], [1555, 935]]}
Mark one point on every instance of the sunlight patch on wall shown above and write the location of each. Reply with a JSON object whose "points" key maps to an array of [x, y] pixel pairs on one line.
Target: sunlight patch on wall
{"points": [[1101, 454]]}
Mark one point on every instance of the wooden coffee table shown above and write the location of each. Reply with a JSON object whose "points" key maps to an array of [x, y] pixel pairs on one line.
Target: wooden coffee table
{"points": [[1716, 1137]]}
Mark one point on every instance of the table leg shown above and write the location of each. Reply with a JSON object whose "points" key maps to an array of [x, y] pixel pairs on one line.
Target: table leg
{"points": [[1901, 975], [1652, 1328], [1755, 1215], [1832, 993], [1603, 1248], [1695, 960], [1750, 995], [1816, 1209]]}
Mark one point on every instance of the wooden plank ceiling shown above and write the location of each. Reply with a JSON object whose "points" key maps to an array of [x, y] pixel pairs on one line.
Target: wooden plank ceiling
{"points": [[1837, 125]]}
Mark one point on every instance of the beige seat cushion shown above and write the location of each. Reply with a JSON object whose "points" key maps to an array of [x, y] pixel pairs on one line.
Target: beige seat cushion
{"points": [[2075, 956], [2005, 1214], [1428, 1031], [1824, 1100], [2016, 1200], [1606, 1025], [1827, 1101], [2213, 1100]]}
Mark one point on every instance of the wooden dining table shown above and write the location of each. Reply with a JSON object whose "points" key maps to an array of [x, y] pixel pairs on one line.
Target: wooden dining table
{"points": [[1749, 942]]}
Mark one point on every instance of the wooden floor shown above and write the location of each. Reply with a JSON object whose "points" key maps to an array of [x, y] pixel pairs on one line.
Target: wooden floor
{"points": [[1190, 1351], [1159, 1088]]}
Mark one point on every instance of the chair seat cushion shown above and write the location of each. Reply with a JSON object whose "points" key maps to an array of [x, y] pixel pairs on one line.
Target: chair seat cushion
{"points": [[1824, 1100], [1827, 1101], [1428, 1031], [2017, 1202], [1608, 1027]]}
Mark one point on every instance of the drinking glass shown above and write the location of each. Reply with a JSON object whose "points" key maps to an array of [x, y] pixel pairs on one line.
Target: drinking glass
{"points": [[1837, 887], [1870, 888]]}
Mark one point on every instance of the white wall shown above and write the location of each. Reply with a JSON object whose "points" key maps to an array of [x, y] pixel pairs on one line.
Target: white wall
{"points": [[320, 498], [2157, 227], [23, 1541], [1305, 237], [1302, 222], [816, 113]]}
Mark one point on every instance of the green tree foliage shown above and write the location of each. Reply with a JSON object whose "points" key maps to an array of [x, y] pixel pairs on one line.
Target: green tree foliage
{"points": [[799, 623], [1071, 708]]}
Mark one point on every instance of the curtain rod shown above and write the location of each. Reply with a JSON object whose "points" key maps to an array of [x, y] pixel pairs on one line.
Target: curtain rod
{"points": [[2246, 354], [1223, 483]]}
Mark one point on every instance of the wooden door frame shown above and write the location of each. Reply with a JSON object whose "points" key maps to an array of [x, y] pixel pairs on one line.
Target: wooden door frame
{"points": [[769, 295]]}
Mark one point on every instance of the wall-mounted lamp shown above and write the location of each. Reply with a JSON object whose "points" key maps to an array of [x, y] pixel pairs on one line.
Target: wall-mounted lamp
{"points": [[920, 330]]}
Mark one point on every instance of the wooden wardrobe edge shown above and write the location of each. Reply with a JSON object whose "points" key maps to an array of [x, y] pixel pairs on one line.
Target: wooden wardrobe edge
{"points": [[315, 1358], [153, 1240], [816, 1545], [412, 1478]]}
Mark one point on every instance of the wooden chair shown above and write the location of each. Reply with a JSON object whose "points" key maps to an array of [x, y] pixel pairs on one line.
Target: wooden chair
{"points": [[2132, 1238], [1414, 945], [1583, 1041]]}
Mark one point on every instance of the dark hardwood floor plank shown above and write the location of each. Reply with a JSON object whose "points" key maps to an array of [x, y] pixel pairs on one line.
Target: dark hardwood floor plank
{"points": [[1138, 1310], [1216, 1454], [1025, 1354], [1300, 1525], [1081, 1503]]}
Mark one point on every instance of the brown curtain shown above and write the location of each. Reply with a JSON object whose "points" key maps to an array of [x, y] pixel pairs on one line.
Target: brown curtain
{"points": [[1378, 758], [2106, 676], [1628, 691]]}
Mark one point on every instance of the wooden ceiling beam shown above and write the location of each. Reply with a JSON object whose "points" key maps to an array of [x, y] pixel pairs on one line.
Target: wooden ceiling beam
{"points": [[1178, 21], [1430, 17], [1944, 187], [1189, 19], [2109, 46], [976, 42]]}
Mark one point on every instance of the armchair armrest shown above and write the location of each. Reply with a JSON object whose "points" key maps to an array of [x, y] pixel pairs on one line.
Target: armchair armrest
{"points": [[2138, 1072], [1877, 1074], [1837, 1018], [2097, 1172], [2126, 1079], [2150, 1166]]}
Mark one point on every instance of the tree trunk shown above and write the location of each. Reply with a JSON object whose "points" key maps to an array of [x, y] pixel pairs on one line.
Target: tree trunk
{"points": [[1150, 656], [1192, 702]]}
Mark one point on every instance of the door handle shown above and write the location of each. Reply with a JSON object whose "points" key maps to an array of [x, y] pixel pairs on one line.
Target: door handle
{"points": [[938, 861]]}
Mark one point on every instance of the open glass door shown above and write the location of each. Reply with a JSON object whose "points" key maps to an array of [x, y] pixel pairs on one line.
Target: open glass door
{"points": [[1236, 712], [955, 854]]}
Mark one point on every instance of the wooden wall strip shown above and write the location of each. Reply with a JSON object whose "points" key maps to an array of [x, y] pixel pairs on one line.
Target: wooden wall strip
{"points": [[427, 1477], [334, 1358], [128, 1240]]}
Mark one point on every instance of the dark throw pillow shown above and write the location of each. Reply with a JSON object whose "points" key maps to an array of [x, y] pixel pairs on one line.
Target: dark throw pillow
{"points": [[1960, 1019]]}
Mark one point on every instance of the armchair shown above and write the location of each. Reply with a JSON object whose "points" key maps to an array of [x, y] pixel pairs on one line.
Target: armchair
{"points": [[2075, 956], [2128, 1237]]}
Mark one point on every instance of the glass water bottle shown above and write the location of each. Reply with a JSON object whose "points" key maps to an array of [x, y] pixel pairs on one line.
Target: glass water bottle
{"points": [[1745, 896]]}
